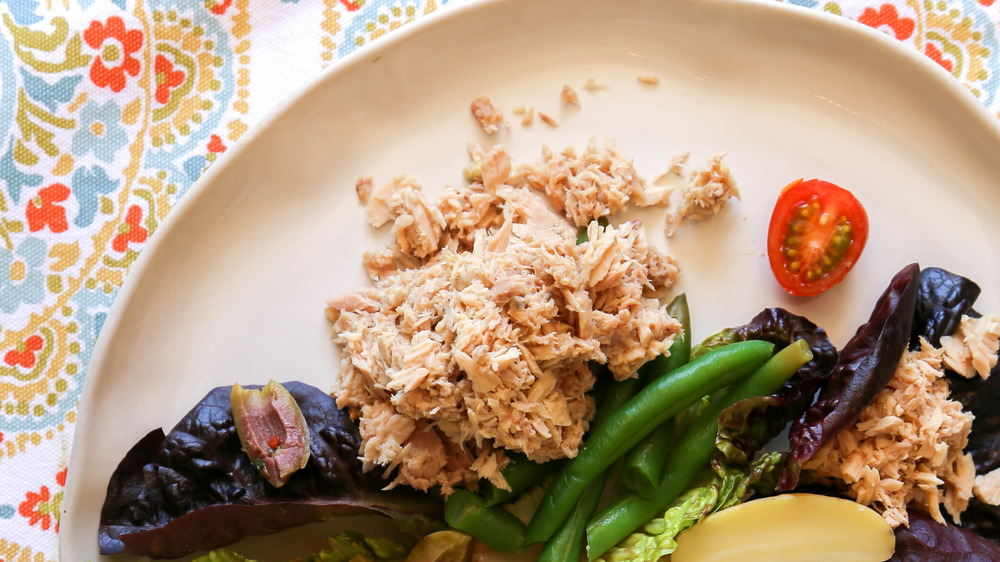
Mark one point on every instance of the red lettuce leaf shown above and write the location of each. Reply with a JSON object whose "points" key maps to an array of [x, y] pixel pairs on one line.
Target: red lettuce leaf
{"points": [[749, 424], [194, 488], [942, 300], [866, 364], [781, 328], [926, 540]]}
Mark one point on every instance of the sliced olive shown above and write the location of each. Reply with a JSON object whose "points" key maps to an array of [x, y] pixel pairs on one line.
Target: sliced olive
{"points": [[272, 430]]}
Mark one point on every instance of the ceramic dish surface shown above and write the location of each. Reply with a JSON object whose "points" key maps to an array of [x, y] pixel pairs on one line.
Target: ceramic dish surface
{"points": [[233, 286]]}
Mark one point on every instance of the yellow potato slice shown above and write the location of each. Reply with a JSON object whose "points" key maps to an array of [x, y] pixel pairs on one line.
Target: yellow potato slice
{"points": [[792, 527]]}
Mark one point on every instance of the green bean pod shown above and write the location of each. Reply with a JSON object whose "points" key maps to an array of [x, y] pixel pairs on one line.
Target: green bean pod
{"points": [[652, 406], [520, 474], [491, 525], [691, 454], [567, 544], [644, 463]]}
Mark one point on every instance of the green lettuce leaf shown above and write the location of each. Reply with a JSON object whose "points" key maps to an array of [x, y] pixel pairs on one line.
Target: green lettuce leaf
{"points": [[345, 547], [223, 555]]}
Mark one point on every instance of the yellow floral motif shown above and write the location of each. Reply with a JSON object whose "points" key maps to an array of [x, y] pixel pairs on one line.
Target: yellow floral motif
{"points": [[391, 18], [10, 550]]}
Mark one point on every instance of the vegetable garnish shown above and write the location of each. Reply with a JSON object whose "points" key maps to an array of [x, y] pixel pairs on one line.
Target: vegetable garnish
{"points": [[650, 408], [866, 364], [926, 540], [816, 235], [194, 488], [693, 451], [272, 430]]}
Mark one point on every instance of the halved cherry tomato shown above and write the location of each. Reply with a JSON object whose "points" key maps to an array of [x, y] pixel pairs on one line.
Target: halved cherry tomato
{"points": [[816, 235]]}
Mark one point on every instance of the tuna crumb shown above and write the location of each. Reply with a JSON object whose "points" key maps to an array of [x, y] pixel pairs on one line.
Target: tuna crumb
{"points": [[547, 119], [593, 85], [474, 339], [529, 117], [587, 185], [487, 114], [707, 189], [674, 168], [519, 110], [363, 188], [907, 445], [649, 79], [568, 96]]}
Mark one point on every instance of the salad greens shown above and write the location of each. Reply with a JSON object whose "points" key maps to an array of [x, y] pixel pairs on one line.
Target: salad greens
{"points": [[195, 488], [350, 546], [926, 540], [692, 453], [942, 299], [866, 364]]}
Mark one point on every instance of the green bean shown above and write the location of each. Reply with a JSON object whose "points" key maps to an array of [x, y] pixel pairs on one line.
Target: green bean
{"points": [[520, 474], [617, 395], [644, 463], [567, 543], [492, 525], [680, 350], [652, 406], [692, 453]]}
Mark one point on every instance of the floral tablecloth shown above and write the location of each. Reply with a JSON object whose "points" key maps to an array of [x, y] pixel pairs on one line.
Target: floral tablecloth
{"points": [[111, 109]]}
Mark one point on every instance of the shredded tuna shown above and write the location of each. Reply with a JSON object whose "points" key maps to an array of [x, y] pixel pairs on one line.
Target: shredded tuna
{"points": [[548, 119], [529, 117], [364, 189], [417, 225], [706, 191], [987, 487], [486, 113], [907, 446], [649, 79], [585, 186], [495, 168], [972, 349], [568, 96], [527, 114], [475, 337]]}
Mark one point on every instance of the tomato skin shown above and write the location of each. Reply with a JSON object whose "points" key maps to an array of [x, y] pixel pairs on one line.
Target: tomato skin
{"points": [[816, 235]]}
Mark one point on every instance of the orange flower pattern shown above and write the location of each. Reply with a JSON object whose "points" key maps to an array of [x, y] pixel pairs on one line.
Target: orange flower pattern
{"points": [[117, 46], [886, 14], [42, 507], [166, 78], [24, 355], [130, 231], [43, 210]]}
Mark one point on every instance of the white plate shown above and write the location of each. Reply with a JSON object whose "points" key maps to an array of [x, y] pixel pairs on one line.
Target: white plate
{"points": [[233, 286]]}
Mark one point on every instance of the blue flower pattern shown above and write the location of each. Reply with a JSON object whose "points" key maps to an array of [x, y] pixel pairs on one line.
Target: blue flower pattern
{"points": [[99, 131], [87, 185], [21, 278]]}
